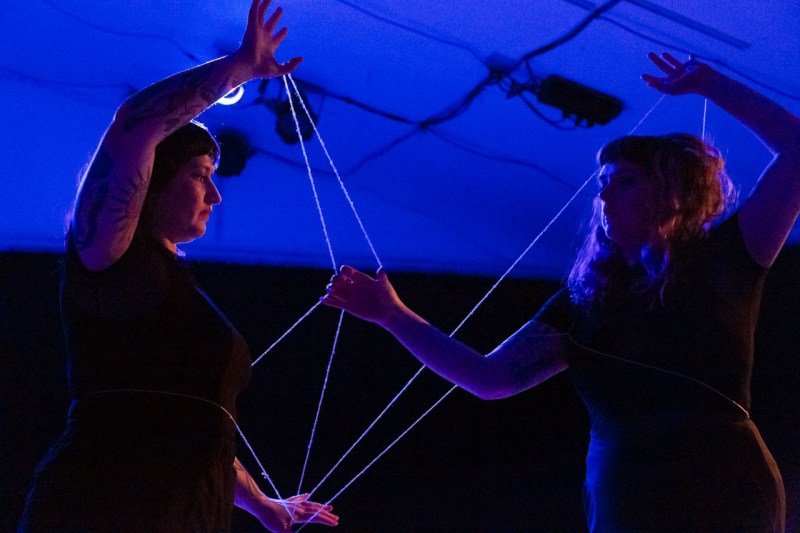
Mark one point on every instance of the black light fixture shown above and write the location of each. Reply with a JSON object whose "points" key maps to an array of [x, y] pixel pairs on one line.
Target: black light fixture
{"points": [[579, 101], [234, 151], [285, 125]]}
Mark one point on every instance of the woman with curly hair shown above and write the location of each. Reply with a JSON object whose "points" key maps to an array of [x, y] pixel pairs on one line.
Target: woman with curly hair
{"points": [[655, 324]]}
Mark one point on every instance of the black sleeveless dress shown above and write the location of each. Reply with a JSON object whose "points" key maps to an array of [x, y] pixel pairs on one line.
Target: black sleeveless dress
{"points": [[667, 385], [154, 370]]}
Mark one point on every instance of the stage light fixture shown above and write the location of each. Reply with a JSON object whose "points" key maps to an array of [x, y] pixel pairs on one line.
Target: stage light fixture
{"points": [[579, 101], [285, 126], [234, 151], [233, 96]]}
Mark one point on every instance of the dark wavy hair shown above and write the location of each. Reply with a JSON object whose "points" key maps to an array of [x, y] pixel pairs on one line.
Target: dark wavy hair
{"points": [[692, 192], [188, 141]]}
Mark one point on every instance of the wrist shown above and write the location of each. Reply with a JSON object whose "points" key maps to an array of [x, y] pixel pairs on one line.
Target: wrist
{"points": [[399, 318], [714, 83], [240, 68]]}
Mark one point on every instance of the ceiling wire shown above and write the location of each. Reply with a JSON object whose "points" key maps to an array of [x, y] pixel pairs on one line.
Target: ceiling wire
{"points": [[495, 77], [427, 35], [121, 33]]}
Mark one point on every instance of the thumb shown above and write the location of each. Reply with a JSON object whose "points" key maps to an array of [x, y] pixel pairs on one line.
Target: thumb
{"points": [[383, 277]]}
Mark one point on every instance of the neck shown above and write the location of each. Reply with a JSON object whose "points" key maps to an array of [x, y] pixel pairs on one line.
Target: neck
{"points": [[164, 240], [632, 255]]}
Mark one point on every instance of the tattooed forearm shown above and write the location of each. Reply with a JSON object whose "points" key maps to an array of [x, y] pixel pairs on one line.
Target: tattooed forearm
{"points": [[94, 191], [179, 98], [532, 355]]}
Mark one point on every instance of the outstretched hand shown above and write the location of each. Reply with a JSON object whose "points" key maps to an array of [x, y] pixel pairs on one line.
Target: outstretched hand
{"points": [[296, 510], [690, 77], [368, 298], [260, 42]]}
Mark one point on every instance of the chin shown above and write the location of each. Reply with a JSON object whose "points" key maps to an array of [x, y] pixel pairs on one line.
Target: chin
{"points": [[191, 236]]}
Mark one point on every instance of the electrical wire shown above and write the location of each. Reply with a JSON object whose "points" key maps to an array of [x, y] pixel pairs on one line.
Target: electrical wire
{"points": [[577, 29], [421, 33], [119, 33], [503, 159]]}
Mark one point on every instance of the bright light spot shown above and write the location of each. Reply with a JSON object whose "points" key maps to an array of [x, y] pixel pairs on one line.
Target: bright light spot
{"points": [[233, 96]]}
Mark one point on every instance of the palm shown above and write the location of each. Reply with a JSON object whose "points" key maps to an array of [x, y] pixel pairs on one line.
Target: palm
{"points": [[361, 295], [260, 42], [681, 78]]}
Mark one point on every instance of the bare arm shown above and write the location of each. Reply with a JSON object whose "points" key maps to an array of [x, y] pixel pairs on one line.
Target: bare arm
{"points": [[275, 515], [112, 192], [767, 216], [533, 354]]}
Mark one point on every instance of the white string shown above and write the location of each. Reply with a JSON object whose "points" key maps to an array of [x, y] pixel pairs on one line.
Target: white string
{"points": [[558, 214], [310, 175], [335, 172], [522, 255], [636, 127], [664, 370], [364, 434], [238, 429], [431, 408], [423, 367], [327, 241], [319, 405], [285, 334], [402, 390], [705, 112]]}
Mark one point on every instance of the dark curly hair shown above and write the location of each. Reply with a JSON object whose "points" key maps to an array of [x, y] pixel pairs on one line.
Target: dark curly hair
{"points": [[692, 192]]}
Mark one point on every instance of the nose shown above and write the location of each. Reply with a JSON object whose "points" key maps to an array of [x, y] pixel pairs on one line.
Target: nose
{"points": [[213, 196], [605, 193]]}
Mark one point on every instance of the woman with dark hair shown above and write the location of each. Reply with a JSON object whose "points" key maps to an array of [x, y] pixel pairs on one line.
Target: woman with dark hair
{"points": [[655, 324], [154, 368]]}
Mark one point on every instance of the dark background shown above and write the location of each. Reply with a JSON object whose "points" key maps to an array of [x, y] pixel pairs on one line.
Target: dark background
{"points": [[472, 465]]}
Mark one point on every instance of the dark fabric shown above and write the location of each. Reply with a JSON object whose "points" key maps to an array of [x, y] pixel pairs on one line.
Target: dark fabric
{"points": [[153, 367], [666, 384]]}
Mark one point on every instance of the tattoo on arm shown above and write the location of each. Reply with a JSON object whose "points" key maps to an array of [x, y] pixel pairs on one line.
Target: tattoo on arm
{"points": [[125, 203], [531, 353], [185, 97], [94, 191]]}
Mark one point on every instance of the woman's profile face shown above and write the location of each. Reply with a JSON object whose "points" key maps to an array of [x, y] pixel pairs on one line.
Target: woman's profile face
{"points": [[627, 199], [183, 208]]}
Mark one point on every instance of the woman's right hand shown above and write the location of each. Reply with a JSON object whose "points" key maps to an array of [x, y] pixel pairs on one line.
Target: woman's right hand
{"points": [[680, 77], [368, 298]]}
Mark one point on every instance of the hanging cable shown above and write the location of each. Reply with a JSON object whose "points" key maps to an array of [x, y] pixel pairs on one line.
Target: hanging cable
{"points": [[120, 33]]}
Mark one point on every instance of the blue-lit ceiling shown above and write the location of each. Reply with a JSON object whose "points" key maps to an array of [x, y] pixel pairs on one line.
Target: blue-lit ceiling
{"points": [[467, 195]]}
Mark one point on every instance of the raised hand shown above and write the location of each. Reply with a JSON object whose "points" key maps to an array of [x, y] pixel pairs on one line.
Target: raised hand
{"points": [[690, 77], [372, 299], [260, 42]]}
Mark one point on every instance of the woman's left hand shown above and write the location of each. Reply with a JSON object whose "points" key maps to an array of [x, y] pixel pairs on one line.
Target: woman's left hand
{"points": [[690, 77], [279, 516], [260, 41]]}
